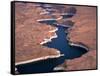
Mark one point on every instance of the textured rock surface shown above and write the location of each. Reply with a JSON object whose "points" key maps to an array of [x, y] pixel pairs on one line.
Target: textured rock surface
{"points": [[87, 61], [84, 32], [29, 33]]}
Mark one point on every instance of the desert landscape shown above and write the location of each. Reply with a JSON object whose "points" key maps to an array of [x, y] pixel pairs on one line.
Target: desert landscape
{"points": [[83, 32], [30, 34]]}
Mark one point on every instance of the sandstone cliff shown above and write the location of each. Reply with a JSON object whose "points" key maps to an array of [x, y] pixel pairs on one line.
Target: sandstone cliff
{"points": [[84, 32], [29, 33]]}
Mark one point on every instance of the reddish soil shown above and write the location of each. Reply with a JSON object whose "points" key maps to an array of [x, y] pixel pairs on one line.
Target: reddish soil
{"points": [[83, 31], [29, 33]]}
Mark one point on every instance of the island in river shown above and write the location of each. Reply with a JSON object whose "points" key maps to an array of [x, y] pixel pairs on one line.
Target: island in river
{"points": [[31, 34]]}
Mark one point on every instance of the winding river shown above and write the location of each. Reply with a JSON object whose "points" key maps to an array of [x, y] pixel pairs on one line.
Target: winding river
{"points": [[62, 44]]}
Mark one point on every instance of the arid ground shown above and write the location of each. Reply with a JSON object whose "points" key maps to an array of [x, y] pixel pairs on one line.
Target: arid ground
{"points": [[30, 33]]}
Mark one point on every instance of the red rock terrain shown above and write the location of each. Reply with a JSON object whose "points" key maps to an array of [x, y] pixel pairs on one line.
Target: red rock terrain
{"points": [[29, 33], [83, 31]]}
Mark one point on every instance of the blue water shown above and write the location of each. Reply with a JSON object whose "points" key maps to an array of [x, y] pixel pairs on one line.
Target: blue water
{"points": [[60, 43]]}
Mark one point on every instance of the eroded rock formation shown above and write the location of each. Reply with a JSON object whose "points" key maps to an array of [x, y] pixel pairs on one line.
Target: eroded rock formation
{"points": [[83, 31], [30, 33]]}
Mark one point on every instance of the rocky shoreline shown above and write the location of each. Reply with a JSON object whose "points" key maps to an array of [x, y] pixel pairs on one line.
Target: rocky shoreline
{"points": [[50, 39], [45, 57], [41, 58], [78, 45], [30, 35], [82, 34]]}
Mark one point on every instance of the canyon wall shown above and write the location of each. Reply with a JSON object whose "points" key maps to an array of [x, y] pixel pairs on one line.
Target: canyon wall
{"points": [[30, 33], [83, 33]]}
